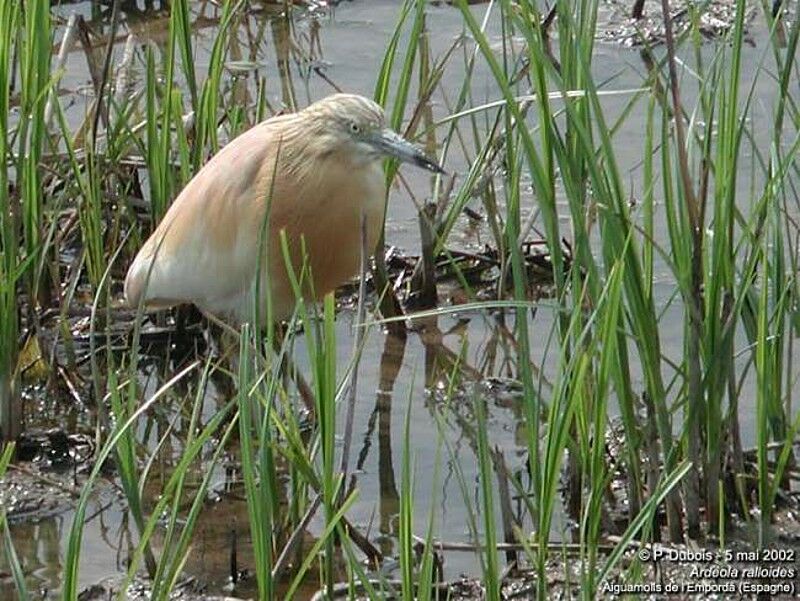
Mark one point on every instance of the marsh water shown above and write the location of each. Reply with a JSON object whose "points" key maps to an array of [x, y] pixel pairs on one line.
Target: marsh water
{"points": [[396, 376]]}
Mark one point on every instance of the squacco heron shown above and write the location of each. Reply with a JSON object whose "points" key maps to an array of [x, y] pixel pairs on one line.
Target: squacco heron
{"points": [[317, 171]]}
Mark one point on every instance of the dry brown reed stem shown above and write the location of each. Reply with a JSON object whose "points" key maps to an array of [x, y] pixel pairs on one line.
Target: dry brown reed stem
{"points": [[694, 304], [358, 345]]}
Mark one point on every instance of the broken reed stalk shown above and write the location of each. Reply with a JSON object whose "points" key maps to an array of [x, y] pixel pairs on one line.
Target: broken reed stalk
{"points": [[358, 345], [106, 72], [67, 42], [85, 35], [388, 304], [423, 282]]}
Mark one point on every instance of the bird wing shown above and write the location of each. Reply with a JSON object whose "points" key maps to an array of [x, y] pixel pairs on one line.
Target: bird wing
{"points": [[205, 248]]}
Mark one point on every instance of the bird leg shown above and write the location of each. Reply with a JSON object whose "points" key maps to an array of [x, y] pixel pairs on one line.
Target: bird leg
{"points": [[287, 366], [289, 369]]}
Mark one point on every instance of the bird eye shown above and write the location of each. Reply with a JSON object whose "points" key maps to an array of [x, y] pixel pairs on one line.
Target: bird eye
{"points": [[354, 127]]}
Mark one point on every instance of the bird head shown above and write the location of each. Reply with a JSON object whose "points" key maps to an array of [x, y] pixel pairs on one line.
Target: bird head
{"points": [[358, 123]]}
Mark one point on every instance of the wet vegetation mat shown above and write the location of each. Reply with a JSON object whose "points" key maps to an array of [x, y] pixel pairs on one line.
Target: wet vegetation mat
{"points": [[641, 23], [566, 369]]}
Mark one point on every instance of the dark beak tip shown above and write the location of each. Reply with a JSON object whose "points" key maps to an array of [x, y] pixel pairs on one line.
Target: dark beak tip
{"points": [[434, 167]]}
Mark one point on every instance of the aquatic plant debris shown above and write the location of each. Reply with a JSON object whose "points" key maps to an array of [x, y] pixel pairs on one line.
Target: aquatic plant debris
{"points": [[714, 19]]}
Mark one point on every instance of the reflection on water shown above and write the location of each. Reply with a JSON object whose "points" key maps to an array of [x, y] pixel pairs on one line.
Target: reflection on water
{"points": [[418, 369], [381, 415]]}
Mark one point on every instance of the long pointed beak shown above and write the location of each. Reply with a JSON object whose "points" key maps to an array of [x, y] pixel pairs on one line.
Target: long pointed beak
{"points": [[392, 144]]}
